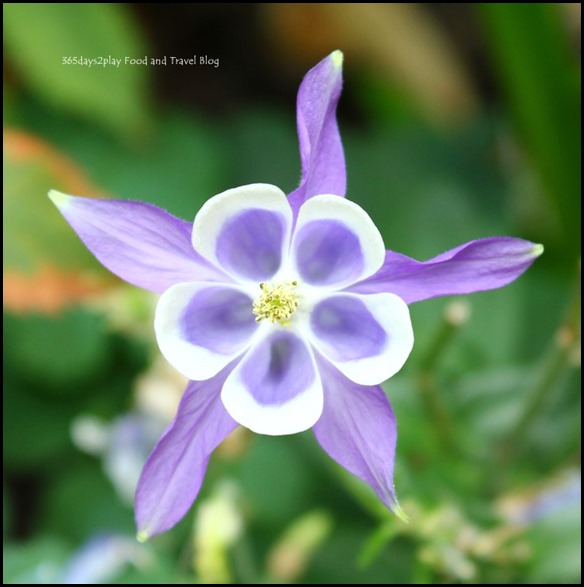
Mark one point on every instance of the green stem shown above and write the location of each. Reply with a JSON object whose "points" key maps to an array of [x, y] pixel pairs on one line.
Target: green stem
{"points": [[556, 364], [455, 316]]}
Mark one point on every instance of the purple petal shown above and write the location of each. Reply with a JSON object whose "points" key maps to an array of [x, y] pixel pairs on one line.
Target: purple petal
{"points": [[367, 337], [218, 318], [202, 327], [335, 243], [347, 328], [251, 244], [358, 430], [139, 242], [278, 369], [174, 472], [276, 388], [327, 252], [245, 231], [479, 265], [321, 151]]}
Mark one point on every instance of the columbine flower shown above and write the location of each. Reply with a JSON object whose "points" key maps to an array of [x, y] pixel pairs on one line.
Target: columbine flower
{"points": [[286, 313]]}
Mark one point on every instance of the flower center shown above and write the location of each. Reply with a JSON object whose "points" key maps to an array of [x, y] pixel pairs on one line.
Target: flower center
{"points": [[276, 302]]}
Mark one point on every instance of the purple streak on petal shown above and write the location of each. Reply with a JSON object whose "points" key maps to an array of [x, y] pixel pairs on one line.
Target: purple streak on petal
{"points": [[321, 151], [174, 472], [251, 244], [479, 265], [139, 242], [278, 369], [328, 252], [358, 430], [219, 319], [347, 329]]}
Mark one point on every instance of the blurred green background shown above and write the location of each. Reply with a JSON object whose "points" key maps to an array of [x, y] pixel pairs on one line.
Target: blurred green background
{"points": [[459, 121]]}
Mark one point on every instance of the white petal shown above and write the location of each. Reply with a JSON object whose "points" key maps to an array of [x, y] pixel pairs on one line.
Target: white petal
{"points": [[245, 231], [335, 243], [201, 327], [276, 389]]}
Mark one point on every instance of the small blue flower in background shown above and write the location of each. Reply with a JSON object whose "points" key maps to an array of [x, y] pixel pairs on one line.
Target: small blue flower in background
{"points": [[286, 313]]}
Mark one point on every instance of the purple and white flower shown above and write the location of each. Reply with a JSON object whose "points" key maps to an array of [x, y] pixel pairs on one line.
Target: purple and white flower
{"points": [[286, 313]]}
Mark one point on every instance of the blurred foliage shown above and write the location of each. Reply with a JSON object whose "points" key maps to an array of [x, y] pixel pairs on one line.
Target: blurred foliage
{"points": [[488, 405], [541, 79], [423, 68], [42, 37]]}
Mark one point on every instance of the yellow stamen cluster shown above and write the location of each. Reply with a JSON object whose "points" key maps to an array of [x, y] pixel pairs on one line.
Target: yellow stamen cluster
{"points": [[276, 302]]}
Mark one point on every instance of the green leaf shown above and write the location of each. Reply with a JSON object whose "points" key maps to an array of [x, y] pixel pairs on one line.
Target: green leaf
{"points": [[40, 38]]}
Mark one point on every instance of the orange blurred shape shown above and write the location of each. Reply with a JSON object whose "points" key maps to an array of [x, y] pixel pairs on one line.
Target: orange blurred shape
{"points": [[47, 291], [23, 147], [400, 42], [40, 284]]}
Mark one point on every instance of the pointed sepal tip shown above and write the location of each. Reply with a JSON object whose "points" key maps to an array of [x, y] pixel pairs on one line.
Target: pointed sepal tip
{"points": [[59, 199], [396, 509], [538, 250], [337, 57]]}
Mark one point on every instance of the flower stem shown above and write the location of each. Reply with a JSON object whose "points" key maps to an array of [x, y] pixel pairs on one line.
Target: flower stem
{"points": [[455, 315], [557, 361]]}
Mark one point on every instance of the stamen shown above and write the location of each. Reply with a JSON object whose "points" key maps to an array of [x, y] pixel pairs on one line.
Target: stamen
{"points": [[276, 303]]}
